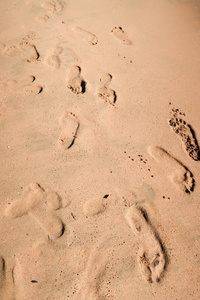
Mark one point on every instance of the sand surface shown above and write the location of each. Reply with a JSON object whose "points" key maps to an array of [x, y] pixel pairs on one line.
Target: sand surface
{"points": [[99, 154]]}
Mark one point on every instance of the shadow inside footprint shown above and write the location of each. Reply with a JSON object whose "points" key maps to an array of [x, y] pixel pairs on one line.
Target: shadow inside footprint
{"points": [[83, 86], [75, 82], [194, 153], [40, 91], [188, 191]]}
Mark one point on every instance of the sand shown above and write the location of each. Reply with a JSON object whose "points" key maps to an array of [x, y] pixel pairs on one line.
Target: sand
{"points": [[99, 152]]}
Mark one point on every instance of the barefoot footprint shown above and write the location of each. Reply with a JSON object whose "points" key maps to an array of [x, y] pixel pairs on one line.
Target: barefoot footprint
{"points": [[43, 18], [119, 33], [94, 207], [86, 35], [23, 49], [70, 125], [104, 92], [181, 176], [52, 6], [53, 59], [150, 255], [75, 82], [93, 274], [39, 204], [186, 133], [22, 85]]}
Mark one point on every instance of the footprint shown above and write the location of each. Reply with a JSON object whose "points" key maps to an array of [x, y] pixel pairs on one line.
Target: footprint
{"points": [[52, 6], [53, 59], [187, 136], [86, 35], [6, 84], [28, 51], [2, 273], [31, 89], [181, 176], [43, 18], [92, 276], [23, 49], [104, 92], [119, 33], [75, 82], [22, 85], [39, 204], [25, 80], [94, 207], [70, 125], [151, 256]]}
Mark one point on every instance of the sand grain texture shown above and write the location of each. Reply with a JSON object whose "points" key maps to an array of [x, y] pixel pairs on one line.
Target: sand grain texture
{"points": [[99, 150]]}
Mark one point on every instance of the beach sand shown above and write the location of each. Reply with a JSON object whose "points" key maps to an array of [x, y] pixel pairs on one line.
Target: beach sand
{"points": [[99, 153]]}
